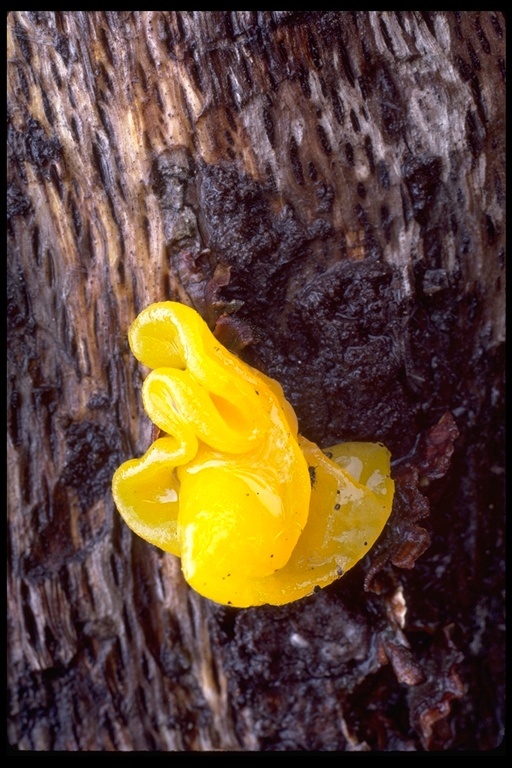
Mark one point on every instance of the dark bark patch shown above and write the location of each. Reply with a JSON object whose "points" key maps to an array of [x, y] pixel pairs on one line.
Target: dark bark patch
{"points": [[422, 175], [18, 204], [295, 161], [368, 148], [475, 133], [347, 64], [338, 106], [33, 145], [268, 122], [323, 139], [92, 455], [355, 121], [387, 93]]}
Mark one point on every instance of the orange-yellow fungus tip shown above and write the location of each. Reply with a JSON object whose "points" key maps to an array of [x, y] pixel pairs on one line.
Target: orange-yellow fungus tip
{"points": [[257, 513]]}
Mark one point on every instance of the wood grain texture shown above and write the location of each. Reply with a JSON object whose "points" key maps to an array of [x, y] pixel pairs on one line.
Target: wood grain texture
{"points": [[349, 169]]}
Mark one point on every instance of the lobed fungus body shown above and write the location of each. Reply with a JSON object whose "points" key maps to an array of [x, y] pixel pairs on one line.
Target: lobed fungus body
{"points": [[257, 513]]}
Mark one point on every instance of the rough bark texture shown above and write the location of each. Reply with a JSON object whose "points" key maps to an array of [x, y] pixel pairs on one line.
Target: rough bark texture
{"points": [[349, 168]]}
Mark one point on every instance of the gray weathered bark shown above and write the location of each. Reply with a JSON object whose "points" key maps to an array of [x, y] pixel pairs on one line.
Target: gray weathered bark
{"points": [[349, 168]]}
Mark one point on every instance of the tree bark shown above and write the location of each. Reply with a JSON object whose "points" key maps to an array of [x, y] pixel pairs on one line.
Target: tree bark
{"points": [[348, 169]]}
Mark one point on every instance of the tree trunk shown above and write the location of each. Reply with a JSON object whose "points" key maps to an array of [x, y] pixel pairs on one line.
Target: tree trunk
{"points": [[349, 169]]}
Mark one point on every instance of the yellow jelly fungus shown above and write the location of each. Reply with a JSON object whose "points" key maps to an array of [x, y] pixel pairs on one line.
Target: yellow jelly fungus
{"points": [[257, 513]]}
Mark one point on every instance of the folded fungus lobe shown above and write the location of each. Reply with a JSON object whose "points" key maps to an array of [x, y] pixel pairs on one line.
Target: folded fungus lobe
{"points": [[256, 512]]}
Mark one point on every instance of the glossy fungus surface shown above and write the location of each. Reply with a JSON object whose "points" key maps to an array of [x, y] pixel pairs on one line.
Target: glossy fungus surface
{"points": [[257, 513]]}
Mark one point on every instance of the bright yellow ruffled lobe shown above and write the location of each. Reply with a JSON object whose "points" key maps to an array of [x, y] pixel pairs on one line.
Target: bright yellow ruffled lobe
{"points": [[256, 512]]}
